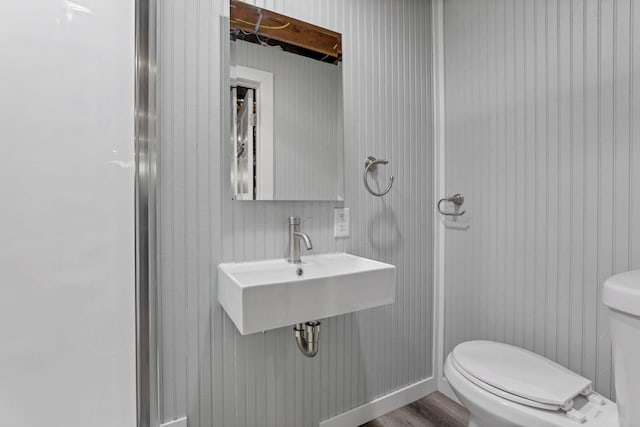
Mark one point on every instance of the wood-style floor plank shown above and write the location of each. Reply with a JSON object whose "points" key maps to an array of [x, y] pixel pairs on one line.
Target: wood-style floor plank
{"points": [[434, 410]]}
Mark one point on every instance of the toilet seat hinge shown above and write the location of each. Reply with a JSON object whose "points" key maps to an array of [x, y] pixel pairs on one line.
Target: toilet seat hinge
{"points": [[596, 399], [576, 416]]}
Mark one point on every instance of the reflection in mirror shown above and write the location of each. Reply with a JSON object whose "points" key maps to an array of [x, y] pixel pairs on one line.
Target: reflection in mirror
{"points": [[286, 104]]}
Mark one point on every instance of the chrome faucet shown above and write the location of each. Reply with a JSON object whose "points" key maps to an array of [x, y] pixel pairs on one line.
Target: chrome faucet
{"points": [[294, 240]]}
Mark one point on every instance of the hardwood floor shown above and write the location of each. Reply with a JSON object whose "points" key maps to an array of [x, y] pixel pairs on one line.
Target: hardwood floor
{"points": [[434, 410]]}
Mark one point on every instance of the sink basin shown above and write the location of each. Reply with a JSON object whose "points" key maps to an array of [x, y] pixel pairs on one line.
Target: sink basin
{"points": [[270, 294]]}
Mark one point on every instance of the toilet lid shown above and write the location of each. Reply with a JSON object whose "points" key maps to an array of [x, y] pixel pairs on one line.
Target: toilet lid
{"points": [[521, 373]]}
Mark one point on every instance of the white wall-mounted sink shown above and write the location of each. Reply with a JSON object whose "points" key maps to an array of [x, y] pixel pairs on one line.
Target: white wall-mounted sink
{"points": [[270, 294]]}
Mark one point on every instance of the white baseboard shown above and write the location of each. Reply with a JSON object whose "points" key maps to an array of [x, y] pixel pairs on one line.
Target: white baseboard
{"points": [[445, 388], [180, 422], [380, 406]]}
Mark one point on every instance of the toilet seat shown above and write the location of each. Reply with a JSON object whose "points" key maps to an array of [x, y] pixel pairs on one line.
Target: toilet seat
{"points": [[521, 376], [502, 393]]}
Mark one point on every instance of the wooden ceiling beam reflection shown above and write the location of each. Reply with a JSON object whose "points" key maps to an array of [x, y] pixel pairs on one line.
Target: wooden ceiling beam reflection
{"points": [[285, 29]]}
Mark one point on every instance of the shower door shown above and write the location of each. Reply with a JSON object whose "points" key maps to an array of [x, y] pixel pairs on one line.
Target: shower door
{"points": [[67, 284]]}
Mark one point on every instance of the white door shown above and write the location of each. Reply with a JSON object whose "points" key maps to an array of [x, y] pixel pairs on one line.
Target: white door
{"points": [[245, 148], [235, 143], [67, 290]]}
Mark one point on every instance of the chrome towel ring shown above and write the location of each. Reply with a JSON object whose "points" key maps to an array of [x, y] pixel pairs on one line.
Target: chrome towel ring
{"points": [[371, 164], [456, 199]]}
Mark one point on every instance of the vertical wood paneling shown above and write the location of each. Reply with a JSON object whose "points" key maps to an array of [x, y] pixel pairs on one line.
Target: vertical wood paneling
{"points": [[208, 371], [634, 125], [577, 95], [549, 171], [564, 144]]}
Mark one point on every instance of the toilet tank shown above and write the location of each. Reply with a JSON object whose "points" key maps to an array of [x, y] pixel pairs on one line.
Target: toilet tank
{"points": [[621, 294]]}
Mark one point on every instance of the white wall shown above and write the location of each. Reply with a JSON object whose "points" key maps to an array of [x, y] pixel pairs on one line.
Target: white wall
{"points": [[543, 140], [208, 370], [66, 217]]}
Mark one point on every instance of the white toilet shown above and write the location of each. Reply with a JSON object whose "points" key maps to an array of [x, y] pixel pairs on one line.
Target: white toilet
{"points": [[503, 385]]}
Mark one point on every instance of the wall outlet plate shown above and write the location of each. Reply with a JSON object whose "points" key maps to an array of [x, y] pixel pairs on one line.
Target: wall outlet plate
{"points": [[341, 221]]}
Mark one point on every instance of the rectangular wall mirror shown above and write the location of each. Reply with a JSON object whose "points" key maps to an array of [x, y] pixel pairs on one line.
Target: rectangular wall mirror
{"points": [[286, 107]]}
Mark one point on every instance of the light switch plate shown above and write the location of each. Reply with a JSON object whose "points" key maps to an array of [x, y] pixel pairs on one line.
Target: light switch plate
{"points": [[341, 222]]}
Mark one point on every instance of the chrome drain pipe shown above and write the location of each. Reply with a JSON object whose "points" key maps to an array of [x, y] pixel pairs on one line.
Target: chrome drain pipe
{"points": [[307, 335]]}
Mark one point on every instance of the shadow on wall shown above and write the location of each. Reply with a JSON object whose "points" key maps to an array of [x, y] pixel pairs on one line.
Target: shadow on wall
{"points": [[384, 218]]}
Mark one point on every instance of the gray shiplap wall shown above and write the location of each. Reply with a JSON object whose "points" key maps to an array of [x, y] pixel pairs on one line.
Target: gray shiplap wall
{"points": [[307, 122], [207, 370], [543, 139]]}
